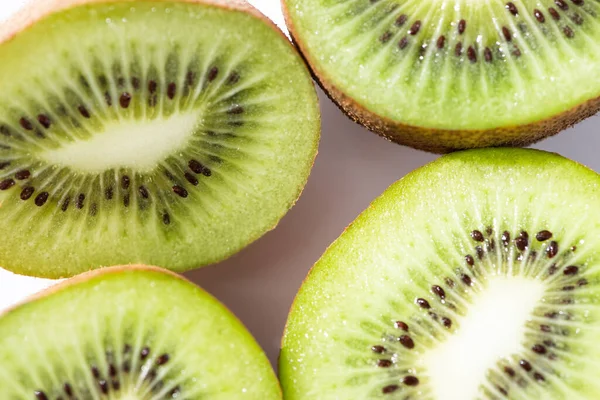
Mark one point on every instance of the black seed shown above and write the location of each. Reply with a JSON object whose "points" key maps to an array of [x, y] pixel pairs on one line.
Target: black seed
{"points": [[144, 353], [538, 376], [68, 389], [171, 90], [384, 363], [213, 73], [552, 249], [507, 34], [206, 172], [166, 219], [65, 204], [126, 200], [27, 193], [567, 301], [545, 328], [162, 359], [462, 25], [26, 124], [552, 270], [561, 4], [406, 341], [108, 99], [41, 199], [447, 322], [439, 291], [385, 37], [96, 372], [539, 16], [126, 366], [571, 270], [143, 192], [433, 315], [555, 15], [44, 120], [176, 390], [116, 384], [181, 192], [410, 380], [577, 19], [512, 8], [120, 82], [125, 181], [196, 166], [502, 390], [542, 236], [80, 200], [127, 349], [236, 110], [549, 343], [40, 395], [552, 314], [458, 49], [378, 349], [568, 288], [84, 112], [4, 164], [423, 303], [233, 78], [152, 86], [466, 279], [103, 386], [505, 238], [151, 375], [112, 370], [390, 389], [449, 282], [191, 178], [525, 365], [401, 20], [477, 235], [582, 282], [509, 371], [441, 42], [487, 53], [538, 348], [568, 32], [125, 100], [403, 43], [7, 184], [414, 29], [521, 243], [24, 174], [480, 252], [108, 193]]}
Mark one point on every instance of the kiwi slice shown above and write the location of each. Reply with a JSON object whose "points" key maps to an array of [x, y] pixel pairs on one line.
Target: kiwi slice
{"points": [[474, 277], [170, 133], [439, 75], [129, 333]]}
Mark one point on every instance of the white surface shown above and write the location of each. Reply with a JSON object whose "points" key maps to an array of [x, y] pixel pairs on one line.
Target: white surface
{"points": [[353, 167]]}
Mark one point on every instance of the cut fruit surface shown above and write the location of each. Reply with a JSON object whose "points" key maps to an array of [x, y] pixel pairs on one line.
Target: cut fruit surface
{"points": [[441, 75], [474, 277], [130, 333], [170, 133]]}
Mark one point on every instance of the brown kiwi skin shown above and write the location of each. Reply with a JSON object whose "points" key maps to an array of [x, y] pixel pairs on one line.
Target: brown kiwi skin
{"points": [[440, 141]]}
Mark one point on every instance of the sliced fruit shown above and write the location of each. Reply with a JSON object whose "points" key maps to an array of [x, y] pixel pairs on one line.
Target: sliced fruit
{"points": [[475, 277], [129, 333], [171, 133], [442, 75]]}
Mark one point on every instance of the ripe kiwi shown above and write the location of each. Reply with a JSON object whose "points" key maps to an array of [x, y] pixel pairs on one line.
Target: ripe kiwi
{"points": [[170, 133], [474, 277], [130, 332], [440, 76]]}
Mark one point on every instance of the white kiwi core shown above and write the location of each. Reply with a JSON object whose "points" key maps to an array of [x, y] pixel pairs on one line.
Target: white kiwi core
{"points": [[494, 328]]}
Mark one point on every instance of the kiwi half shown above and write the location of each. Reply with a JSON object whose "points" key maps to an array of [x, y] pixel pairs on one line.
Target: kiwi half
{"points": [[443, 75], [170, 133], [129, 333], [474, 277]]}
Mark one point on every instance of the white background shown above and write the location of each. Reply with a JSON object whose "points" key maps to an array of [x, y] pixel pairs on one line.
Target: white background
{"points": [[353, 167]]}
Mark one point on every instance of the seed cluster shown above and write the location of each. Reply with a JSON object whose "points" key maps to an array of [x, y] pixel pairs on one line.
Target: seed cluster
{"points": [[118, 377], [540, 255]]}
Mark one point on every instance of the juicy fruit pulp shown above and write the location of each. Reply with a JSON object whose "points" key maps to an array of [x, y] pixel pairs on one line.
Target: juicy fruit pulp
{"points": [[166, 133], [474, 277], [442, 75], [130, 333]]}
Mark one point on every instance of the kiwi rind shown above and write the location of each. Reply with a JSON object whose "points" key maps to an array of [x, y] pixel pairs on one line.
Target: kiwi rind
{"points": [[323, 336], [437, 140], [257, 379], [37, 12]]}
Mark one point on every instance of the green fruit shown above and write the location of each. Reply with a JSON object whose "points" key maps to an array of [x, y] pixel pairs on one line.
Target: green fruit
{"points": [[474, 277], [440, 76], [129, 333], [170, 133]]}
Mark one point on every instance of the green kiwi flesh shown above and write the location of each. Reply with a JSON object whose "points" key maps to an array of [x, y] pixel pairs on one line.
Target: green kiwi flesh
{"points": [[444, 75], [167, 133], [474, 277], [130, 333]]}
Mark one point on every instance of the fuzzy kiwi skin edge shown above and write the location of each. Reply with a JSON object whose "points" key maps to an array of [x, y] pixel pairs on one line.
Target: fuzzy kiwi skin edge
{"points": [[440, 141]]}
